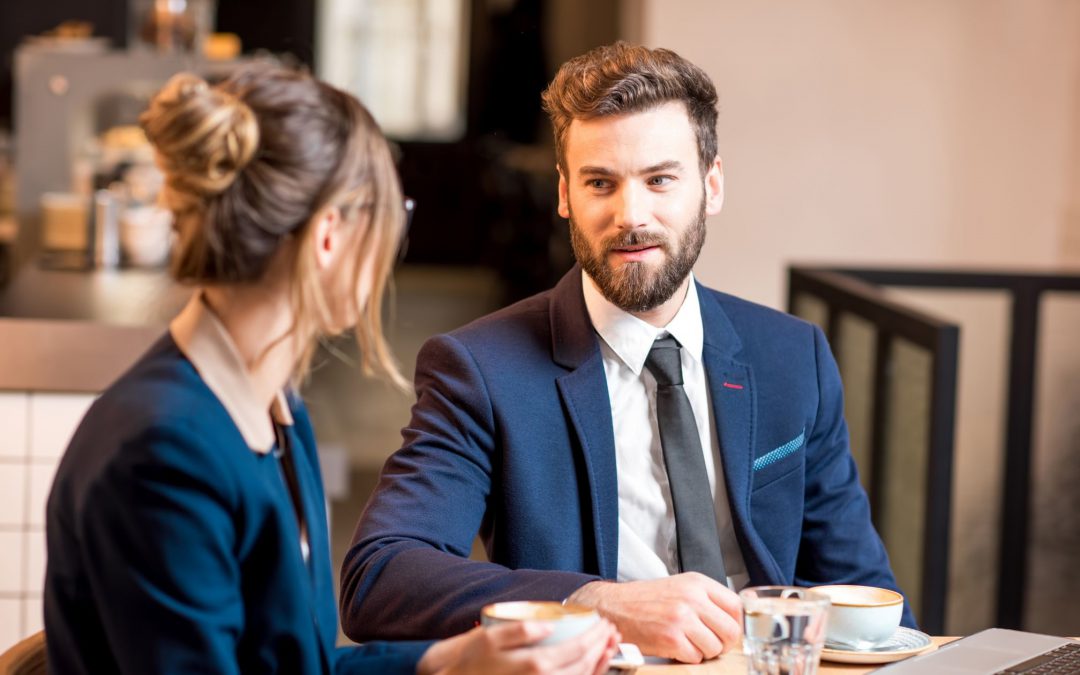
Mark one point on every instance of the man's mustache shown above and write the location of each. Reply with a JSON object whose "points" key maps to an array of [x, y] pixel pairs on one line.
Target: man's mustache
{"points": [[635, 238]]}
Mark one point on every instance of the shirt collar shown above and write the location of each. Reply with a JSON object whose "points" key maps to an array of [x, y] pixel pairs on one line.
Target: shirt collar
{"points": [[631, 338], [205, 342]]}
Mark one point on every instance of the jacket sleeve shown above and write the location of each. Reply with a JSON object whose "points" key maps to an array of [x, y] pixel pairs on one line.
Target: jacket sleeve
{"points": [[158, 543], [407, 573], [385, 658], [839, 543]]}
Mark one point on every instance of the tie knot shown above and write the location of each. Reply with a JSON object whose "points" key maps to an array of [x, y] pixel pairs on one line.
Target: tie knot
{"points": [[665, 363]]}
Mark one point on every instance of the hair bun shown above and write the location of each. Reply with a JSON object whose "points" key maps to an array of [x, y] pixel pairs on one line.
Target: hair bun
{"points": [[204, 135]]}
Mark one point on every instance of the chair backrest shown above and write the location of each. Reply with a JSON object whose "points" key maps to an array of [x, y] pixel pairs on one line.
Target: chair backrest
{"points": [[26, 657], [898, 365]]}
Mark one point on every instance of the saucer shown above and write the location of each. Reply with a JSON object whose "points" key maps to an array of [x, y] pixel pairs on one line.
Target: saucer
{"points": [[904, 642]]}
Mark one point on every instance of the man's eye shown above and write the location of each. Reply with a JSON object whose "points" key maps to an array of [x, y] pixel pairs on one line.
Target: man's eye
{"points": [[598, 183], [660, 180]]}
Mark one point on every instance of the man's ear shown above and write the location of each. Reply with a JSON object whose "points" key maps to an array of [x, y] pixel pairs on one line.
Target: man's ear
{"points": [[564, 200], [326, 236], [714, 188]]}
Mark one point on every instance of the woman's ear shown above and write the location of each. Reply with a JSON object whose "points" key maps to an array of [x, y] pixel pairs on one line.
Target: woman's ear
{"points": [[326, 234]]}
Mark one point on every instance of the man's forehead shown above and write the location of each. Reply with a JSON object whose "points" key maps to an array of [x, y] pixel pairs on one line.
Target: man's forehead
{"points": [[636, 141]]}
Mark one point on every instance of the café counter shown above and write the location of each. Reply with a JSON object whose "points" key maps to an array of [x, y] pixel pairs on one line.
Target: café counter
{"points": [[124, 297]]}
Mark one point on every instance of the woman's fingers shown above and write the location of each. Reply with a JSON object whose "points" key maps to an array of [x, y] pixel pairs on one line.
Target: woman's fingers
{"points": [[517, 634], [579, 655]]}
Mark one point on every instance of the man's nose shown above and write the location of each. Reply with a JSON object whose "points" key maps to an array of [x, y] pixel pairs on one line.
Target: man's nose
{"points": [[632, 207]]}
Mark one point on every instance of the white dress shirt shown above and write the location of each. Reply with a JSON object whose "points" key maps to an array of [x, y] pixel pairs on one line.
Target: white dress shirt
{"points": [[647, 544]]}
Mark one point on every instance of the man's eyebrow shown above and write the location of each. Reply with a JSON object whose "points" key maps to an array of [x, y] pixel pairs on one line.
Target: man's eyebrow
{"points": [[669, 165], [672, 165]]}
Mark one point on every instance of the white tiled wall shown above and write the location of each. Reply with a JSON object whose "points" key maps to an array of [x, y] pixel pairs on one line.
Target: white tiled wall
{"points": [[14, 417], [12, 492], [10, 621], [11, 562], [34, 430], [52, 421], [39, 482], [34, 563]]}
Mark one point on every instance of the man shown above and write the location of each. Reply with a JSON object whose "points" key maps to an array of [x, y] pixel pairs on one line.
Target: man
{"points": [[628, 440]]}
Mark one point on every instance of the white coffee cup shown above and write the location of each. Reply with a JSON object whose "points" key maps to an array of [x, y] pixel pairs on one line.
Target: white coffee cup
{"points": [[861, 617], [146, 235], [567, 621]]}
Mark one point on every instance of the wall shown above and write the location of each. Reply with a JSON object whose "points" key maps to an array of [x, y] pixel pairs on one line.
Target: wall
{"points": [[573, 27], [921, 133], [37, 428]]}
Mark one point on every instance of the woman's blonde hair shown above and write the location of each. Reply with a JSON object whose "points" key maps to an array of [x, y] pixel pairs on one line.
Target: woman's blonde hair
{"points": [[248, 163]]}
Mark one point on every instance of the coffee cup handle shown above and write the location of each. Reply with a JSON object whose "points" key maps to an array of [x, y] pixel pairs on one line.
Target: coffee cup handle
{"points": [[781, 622]]}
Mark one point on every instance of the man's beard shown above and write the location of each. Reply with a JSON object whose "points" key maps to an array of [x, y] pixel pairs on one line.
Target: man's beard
{"points": [[638, 286]]}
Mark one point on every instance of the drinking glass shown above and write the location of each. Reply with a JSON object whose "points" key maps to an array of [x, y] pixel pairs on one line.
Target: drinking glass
{"points": [[784, 629]]}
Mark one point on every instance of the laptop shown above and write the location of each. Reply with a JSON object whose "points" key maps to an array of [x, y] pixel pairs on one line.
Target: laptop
{"points": [[996, 650]]}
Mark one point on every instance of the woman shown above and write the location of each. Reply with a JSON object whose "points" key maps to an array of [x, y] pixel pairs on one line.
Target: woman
{"points": [[186, 530]]}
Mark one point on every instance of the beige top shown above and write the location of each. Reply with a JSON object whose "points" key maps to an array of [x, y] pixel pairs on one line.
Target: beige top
{"points": [[205, 342]]}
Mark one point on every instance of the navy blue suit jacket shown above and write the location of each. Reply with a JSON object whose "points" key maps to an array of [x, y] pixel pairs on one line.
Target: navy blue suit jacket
{"points": [[511, 436], [174, 548]]}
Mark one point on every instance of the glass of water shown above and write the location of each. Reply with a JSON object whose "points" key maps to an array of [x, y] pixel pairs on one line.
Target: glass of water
{"points": [[784, 629]]}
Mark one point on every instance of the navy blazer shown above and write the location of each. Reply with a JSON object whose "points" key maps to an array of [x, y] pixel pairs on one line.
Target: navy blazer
{"points": [[174, 548], [511, 436]]}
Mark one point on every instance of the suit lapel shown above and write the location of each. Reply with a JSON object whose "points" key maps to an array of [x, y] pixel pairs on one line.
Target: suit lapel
{"points": [[731, 387], [734, 400], [585, 397]]}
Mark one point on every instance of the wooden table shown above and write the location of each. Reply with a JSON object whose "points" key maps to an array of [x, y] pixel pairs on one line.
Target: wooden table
{"points": [[735, 664]]}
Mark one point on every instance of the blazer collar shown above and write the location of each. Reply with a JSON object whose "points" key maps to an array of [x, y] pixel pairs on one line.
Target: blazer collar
{"points": [[734, 401], [632, 338], [583, 389], [573, 339], [720, 334]]}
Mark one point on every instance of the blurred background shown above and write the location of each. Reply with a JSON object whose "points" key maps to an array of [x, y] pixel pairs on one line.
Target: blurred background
{"points": [[927, 134]]}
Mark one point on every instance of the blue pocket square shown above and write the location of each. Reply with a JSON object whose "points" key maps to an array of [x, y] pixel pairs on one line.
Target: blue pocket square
{"points": [[778, 454]]}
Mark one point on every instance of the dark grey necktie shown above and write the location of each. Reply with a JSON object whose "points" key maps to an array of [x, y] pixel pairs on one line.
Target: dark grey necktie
{"points": [[695, 515]]}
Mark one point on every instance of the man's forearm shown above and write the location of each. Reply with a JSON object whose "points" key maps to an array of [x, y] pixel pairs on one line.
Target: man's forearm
{"points": [[417, 592]]}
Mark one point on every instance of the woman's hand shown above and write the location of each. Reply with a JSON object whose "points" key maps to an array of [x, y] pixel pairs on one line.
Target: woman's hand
{"points": [[508, 649]]}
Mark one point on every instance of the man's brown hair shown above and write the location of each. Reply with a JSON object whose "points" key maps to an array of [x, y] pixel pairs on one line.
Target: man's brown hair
{"points": [[623, 78]]}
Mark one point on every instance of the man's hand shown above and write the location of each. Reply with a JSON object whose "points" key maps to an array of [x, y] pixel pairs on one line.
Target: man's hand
{"points": [[688, 617]]}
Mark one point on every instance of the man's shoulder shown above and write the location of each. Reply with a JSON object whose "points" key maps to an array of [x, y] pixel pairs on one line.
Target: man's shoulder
{"points": [[528, 317], [747, 315]]}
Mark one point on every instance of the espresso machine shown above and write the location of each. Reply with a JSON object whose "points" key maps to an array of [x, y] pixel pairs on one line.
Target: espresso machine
{"points": [[76, 108], [65, 98]]}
